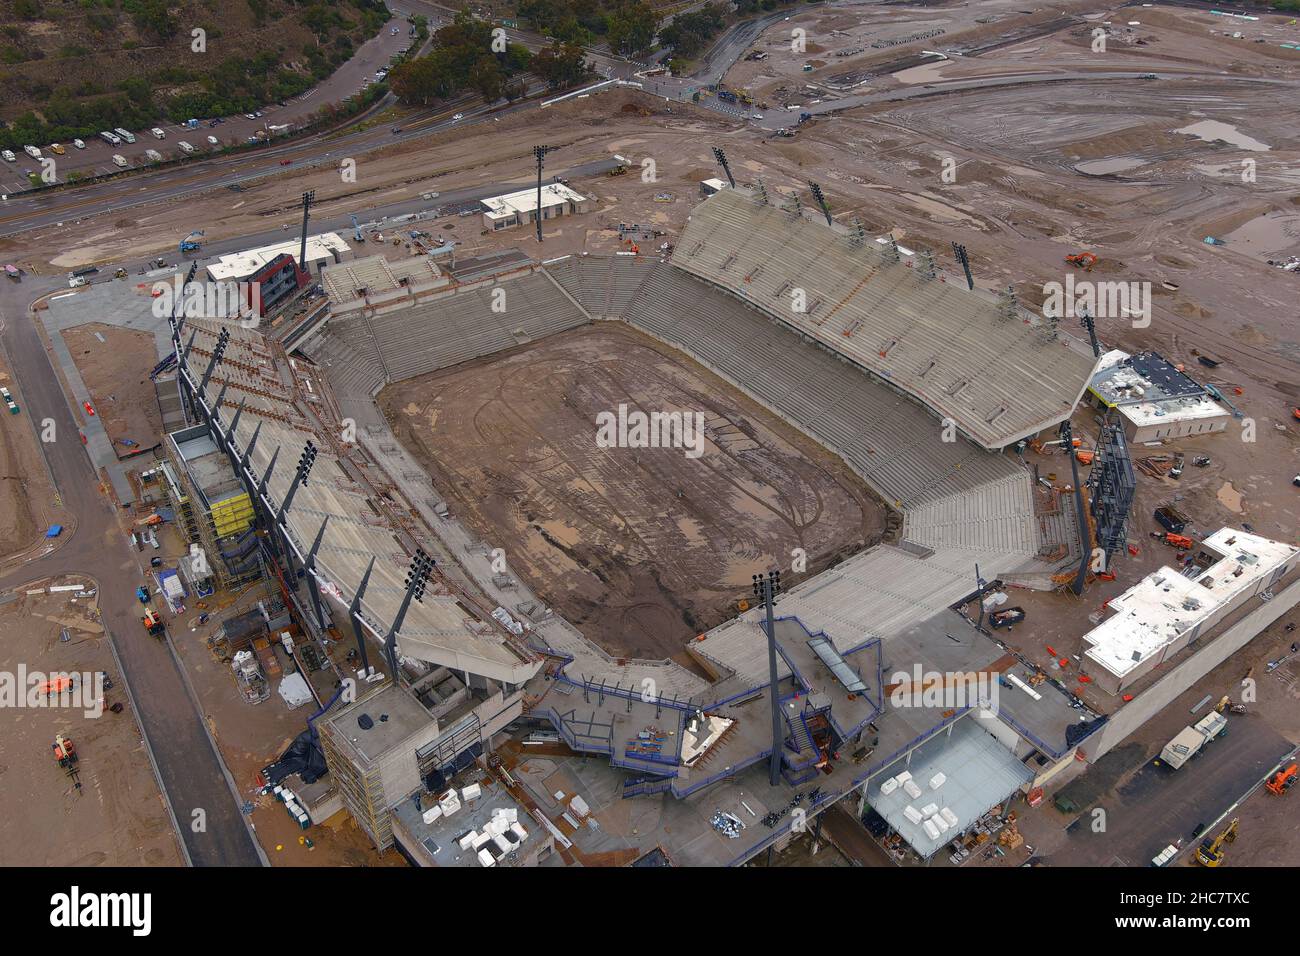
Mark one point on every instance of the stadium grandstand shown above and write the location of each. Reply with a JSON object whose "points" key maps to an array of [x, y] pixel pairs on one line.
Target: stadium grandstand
{"points": [[922, 354]]}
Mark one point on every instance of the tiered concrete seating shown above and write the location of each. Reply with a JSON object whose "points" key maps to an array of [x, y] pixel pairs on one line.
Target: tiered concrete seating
{"points": [[999, 378]]}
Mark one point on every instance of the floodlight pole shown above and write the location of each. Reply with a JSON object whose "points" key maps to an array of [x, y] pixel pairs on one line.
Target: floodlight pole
{"points": [[765, 588], [540, 152]]}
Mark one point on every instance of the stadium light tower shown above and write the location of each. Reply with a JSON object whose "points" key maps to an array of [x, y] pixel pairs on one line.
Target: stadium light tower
{"points": [[540, 152], [821, 201], [721, 158], [765, 589], [417, 579], [307, 198]]}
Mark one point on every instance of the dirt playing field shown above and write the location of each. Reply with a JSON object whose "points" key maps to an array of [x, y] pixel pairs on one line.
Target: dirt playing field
{"points": [[642, 548], [114, 363], [116, 817]]}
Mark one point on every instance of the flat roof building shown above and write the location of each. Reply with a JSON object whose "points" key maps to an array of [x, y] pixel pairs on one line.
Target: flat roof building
{"points": [[1168, 609], [1154, 398], [322, 250], [519, 208]]}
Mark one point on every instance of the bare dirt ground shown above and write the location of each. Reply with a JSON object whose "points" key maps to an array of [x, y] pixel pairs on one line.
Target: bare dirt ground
{"points": [[641, 548], [114, 363], [117, 817]]}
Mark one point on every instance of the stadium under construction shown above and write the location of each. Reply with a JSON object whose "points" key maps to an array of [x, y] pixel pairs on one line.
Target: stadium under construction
{"points": [[872, 678]]}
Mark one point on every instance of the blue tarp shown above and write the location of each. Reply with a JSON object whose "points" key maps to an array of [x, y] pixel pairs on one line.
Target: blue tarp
{"points": [[55, 531]]}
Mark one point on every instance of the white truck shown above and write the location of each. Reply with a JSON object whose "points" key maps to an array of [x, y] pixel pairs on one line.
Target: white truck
{"points": [[1191, 739], [120, 160], [32, 151], [185, 147], [158, 132]]}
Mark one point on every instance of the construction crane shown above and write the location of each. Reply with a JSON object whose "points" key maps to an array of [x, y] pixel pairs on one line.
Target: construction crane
{"points": [[1083, 260], [1282, 781], [1210, 853], [192, 243]]}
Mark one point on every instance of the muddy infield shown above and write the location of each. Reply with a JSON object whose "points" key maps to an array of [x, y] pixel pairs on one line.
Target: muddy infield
{"points": [[641, 548]]}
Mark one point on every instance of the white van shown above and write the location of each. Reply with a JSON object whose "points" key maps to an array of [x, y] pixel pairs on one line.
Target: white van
{"points": [[124, 134], [9, 156], [119, 160], [32, 151], [185, 147], [158, 133]]}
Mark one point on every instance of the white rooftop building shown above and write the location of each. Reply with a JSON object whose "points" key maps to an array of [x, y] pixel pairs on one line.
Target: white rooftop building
{"points": [[1155, 399], [518, 208], [322, 250], [1167, 610]]}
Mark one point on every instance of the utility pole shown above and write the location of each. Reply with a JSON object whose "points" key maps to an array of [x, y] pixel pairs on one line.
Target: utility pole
{"points": [[765, 589], [540, 152]]}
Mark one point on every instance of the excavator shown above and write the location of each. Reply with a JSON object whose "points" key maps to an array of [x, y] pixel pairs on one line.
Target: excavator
{"points": [[1210, 853], [1082, 260], [1282, 781]]}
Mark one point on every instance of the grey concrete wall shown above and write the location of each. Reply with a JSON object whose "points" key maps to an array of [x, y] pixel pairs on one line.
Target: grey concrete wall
{"points": [[1161, 694]]}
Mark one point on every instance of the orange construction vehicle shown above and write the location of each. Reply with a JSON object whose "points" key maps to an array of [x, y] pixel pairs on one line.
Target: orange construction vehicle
{"points": [[1282, 781], [1082, 260], [153, 623], [59, 684], [1174, 540], [65, 754]]}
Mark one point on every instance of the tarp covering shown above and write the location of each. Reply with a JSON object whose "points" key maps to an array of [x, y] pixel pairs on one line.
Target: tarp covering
{"points": [[304, 757]]}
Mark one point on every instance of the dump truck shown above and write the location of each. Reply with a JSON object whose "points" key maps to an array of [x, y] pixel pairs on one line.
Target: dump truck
{"points": [[1172, 519], [1191, 739]]}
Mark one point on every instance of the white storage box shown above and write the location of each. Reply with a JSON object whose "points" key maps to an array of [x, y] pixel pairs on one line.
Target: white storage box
{"points": [[433, 813], [912, 814], [937, 781], [949, 816], [930, 809], [889, 786], [472, 792], [931, 830], [912, 789], [486, 859]]}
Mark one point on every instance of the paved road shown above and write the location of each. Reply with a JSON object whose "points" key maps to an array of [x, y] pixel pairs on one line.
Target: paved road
{"points": [[190, 770]]}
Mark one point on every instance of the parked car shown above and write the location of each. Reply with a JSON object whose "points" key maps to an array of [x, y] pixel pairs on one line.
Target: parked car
{"points": [[57, 149], [458, 116], [213, 141], [79, 144], [158, 132], [32, 151], [396, 130], [9, 156], [249, 116]]}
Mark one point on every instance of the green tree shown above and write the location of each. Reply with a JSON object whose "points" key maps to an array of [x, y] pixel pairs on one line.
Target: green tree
{"points": [[632, 28]]}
